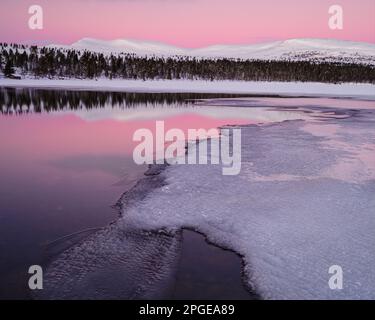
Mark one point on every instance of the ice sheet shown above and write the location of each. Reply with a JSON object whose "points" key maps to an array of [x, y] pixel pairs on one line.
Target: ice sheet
{"points": [[292, 212], [304, 201], [364, 90]]}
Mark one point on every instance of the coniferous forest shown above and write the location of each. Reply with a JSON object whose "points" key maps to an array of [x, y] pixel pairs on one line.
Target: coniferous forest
{"points": [[48, 62]]}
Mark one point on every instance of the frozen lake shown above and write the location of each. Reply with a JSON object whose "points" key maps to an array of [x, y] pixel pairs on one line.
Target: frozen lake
{"points": [[304, 199], [66, 158]]}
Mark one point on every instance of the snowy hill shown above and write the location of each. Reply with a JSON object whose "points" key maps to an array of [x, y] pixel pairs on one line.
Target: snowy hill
{"points": [[294, 49], [288, 60]]}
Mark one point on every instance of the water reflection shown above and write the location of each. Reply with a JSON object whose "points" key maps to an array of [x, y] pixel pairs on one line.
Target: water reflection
{"points": [[67, 159], [62, 169], [23, 100]]}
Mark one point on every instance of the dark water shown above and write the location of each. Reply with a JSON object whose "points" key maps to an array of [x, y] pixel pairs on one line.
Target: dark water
{"points": [[23, 100], [66, 157], [208, 272]]}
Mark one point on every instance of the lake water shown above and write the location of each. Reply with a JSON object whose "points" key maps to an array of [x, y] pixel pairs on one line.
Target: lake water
{"points": [[66, 158]]}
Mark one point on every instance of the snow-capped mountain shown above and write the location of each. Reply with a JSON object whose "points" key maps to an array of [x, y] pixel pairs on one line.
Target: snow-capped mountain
{"points": [[294, 49]]}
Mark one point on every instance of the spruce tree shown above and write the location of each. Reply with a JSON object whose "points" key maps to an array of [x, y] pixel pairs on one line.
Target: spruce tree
{"points": [[8, 69]]}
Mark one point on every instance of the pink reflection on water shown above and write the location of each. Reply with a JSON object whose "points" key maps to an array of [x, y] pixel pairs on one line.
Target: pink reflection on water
{"points": [[60, 173], [31, 139]]}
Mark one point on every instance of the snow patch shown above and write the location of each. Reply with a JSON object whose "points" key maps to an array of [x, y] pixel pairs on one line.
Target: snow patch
{"points": [[292, 49], [363, 90]]}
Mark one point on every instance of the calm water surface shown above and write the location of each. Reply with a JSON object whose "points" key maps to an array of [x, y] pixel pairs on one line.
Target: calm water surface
{"points": [[66, 158]]}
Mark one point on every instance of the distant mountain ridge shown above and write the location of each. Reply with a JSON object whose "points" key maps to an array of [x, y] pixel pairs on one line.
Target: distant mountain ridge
{"points": [[297, 60], [328, 50]]}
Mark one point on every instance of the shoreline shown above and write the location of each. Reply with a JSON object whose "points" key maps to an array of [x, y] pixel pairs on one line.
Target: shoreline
{"points": [[140, 192], [204, 247], [284, 89], [152, 180]]}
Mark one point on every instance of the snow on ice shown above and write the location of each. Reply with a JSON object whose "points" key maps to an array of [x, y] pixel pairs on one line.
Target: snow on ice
{"points": [[303, 201]]}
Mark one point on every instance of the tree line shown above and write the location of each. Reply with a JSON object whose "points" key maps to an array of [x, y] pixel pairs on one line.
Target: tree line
{"points": [[49, 62]]}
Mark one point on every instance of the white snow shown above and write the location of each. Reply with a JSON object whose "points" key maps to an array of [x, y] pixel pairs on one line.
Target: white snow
{"points": [[295, 49], [129, 46], [304, 201], [199, 86], [302, 49]]}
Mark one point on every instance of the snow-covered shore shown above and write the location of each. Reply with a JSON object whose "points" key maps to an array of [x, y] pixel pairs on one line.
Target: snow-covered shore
{"points": [[302, 203], [357, 90]]}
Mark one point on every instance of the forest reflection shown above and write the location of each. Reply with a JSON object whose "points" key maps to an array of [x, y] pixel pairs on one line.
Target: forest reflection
{"points": [[15, 101]]}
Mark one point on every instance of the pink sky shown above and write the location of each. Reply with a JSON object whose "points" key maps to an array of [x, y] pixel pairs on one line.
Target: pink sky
{"points": [[188, 23]]}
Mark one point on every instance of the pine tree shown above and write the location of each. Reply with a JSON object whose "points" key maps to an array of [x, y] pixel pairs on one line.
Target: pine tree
{"points": [[9, 69]]}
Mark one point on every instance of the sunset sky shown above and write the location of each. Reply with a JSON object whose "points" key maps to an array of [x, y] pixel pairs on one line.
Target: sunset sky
{"points": [[187, 23]]}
